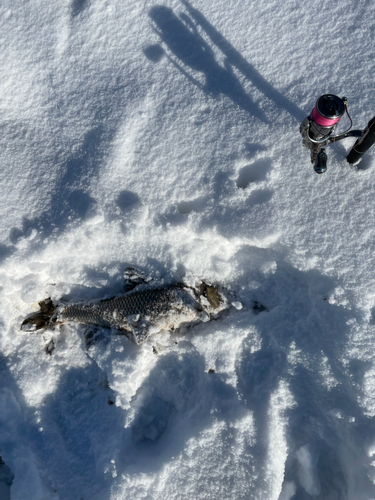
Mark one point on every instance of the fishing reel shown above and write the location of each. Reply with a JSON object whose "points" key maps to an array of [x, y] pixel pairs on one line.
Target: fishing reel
{"points": [[318, 128]]}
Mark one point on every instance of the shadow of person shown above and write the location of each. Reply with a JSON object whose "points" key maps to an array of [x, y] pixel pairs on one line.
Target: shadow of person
{"points": [[303, 341], [187, 45], [235, 59], [329, 436], [81, 428]]}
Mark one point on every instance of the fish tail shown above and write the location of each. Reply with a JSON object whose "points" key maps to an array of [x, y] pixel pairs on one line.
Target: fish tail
{"points": [[41, 319]]}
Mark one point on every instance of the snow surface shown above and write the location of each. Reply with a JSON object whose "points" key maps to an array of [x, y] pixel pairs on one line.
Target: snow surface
{"points": [[165, 136]]}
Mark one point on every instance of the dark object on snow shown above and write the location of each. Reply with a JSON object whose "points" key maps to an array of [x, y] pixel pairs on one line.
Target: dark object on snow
{"points": [[212, 295], [50, 347], [42, 318], [6, 480], [320, 164], [258, 308], [136, 314], [317, 131]]}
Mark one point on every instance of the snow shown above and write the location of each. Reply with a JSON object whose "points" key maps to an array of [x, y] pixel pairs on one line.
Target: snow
{"points": [[164, 136]]}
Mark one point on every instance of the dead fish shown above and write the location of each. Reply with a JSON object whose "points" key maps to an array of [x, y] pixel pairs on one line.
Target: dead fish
{"points": [[137, 314]]}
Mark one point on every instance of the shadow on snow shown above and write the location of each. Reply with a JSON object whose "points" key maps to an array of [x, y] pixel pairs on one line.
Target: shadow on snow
{"points": [[187, 45], [303, 342]]}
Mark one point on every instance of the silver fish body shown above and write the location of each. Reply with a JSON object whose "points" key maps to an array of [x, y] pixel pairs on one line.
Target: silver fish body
{"points": [[137, 314]]}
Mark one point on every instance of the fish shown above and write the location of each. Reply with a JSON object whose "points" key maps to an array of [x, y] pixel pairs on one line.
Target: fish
{"points": [[137, 314]]}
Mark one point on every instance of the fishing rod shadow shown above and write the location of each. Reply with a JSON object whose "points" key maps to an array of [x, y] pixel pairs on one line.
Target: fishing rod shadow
{"points": [[365, 163], [189, 49]]}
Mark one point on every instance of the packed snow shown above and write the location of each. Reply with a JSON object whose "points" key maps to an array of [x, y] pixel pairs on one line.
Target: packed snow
{"points": [[164, 135]]}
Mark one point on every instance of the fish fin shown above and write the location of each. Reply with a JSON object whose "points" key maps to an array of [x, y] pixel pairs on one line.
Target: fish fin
{"points": [[40, 319], [133, 277], [212, 294]]}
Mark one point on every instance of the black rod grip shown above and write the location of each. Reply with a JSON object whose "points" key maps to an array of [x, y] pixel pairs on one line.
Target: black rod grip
{"points": [[363, 144]]}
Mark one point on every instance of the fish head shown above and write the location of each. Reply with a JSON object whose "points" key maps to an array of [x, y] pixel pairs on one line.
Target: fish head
{"points": [[40, 319]]}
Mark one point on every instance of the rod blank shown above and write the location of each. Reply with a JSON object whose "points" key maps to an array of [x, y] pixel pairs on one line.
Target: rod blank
{"points": [[363, 143]]}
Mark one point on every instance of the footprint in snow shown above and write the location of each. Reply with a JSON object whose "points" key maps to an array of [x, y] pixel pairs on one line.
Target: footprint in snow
{"points": [[255, 172]]}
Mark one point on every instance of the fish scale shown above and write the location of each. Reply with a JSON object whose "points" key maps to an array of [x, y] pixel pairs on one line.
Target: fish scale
{"points": [[115, 312]]}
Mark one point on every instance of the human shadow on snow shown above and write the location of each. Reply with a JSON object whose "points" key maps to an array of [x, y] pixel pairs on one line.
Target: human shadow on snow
{"points": [[303, 341], [184, 41], [80, 431], [10, 396]]}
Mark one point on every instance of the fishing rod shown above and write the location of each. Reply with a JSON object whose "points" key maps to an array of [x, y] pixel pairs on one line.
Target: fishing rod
{"points": [[317, 131]]}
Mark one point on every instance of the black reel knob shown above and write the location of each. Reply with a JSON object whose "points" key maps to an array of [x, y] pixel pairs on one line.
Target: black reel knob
{"points": [[320, 164]]}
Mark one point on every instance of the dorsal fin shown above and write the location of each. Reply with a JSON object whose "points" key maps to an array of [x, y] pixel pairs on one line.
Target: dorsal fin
{"points": [[133, 277]]}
